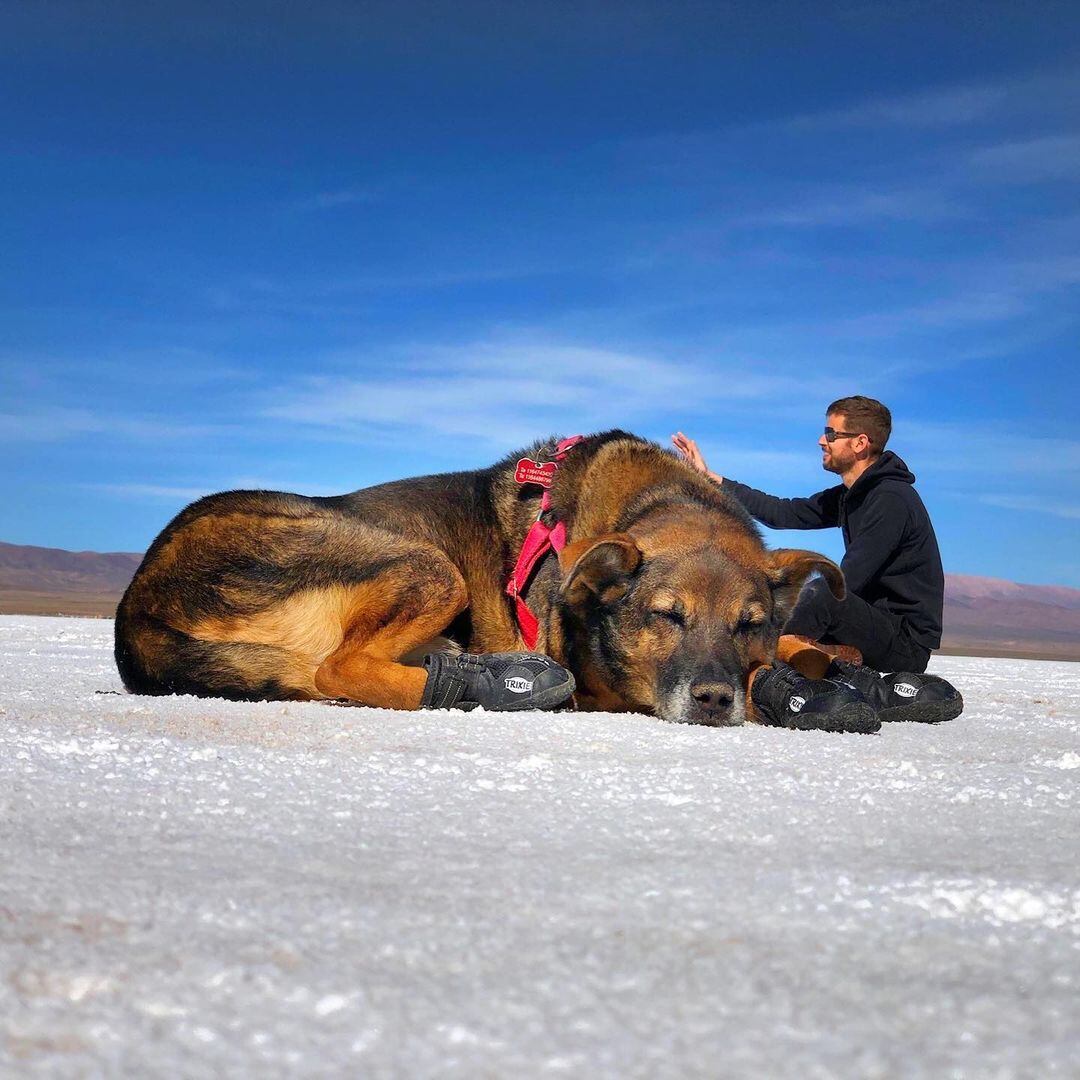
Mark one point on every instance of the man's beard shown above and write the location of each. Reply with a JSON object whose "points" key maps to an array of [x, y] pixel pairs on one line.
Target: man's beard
{"points": [[831, 463]]}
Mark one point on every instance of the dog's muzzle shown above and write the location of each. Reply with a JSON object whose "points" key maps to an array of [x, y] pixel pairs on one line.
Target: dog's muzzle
{"points": [[711, 702]]}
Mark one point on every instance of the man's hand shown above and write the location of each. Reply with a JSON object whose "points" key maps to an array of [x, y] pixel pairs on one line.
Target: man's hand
{"points": [[693, 456]]}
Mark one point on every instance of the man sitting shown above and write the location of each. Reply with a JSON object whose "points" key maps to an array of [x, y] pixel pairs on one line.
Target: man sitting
{"points": [[892, 566]]}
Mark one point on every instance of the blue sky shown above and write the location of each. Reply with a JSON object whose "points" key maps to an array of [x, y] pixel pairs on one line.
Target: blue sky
{"points": [[313, 248]]}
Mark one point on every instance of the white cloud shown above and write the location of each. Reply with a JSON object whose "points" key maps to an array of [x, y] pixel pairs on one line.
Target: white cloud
{"points": [[945, 313], [59, 423], [1050, 157], [857, 206], [180, 493], [508, 393], [152, 492], [991, 449], [996, 292], [333, 200], [1039, 93], [1034, 504], [944, 107]]}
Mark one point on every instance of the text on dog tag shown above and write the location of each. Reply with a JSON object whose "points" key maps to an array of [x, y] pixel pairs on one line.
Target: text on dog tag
{"points": [[535, 472]]}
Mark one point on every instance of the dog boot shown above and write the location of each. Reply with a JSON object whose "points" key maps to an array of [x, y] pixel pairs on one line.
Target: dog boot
{"points": [[497, 681], [921, 699], [784, 698]]}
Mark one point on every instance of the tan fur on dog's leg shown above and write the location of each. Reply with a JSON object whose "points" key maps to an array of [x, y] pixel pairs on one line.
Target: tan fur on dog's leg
{"points": [[751, 712], [804, 655], [420, 600]]}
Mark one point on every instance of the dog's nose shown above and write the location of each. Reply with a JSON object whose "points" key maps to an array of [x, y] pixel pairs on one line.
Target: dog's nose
{"points": [[713, 695]]}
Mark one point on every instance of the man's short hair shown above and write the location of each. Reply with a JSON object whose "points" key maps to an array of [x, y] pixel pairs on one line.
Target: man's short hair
{"points": [[866, 416]]}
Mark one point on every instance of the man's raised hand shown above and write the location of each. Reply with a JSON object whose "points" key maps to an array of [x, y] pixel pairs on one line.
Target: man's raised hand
{"points": [[690, 453]]}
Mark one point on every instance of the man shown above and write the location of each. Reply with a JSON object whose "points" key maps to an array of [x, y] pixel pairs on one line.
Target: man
{"points": [[892, 566]]}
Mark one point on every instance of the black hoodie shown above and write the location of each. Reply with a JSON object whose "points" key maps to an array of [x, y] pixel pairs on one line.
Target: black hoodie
{"points": [[891, 554]]}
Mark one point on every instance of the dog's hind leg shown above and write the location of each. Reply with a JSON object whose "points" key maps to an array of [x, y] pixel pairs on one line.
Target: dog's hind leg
{"points": [[411, 603]]}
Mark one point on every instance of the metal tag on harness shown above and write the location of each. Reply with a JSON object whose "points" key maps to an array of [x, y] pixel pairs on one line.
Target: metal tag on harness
{"points": [[535, 472]]}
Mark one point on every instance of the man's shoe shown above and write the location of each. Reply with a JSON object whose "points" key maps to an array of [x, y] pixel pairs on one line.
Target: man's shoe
{"points": [[784, 698], [902, 696], [497, 681]]}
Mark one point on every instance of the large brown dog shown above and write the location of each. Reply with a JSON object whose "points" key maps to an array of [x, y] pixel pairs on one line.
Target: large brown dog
{"points": [[663, 600]]}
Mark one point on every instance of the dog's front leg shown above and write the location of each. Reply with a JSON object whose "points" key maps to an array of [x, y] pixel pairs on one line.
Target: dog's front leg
{"points": [[415, 600]]}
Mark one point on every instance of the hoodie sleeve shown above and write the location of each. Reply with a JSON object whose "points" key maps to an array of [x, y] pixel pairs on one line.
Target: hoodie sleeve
{"points": [[820, 511], [881, 531]]}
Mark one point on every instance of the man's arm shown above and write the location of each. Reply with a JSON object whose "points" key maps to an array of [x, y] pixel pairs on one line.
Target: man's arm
{"points": [[820, 511], [881, 531]]}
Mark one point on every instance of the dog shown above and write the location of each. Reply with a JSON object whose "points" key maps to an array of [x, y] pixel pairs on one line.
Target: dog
{"points": [[663, 599]]}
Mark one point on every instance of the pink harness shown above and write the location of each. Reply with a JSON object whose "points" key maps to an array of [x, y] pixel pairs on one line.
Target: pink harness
{"points": [[540, 539]]}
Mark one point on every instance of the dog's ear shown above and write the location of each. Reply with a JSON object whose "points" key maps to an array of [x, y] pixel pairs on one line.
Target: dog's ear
{"points": [[598, 566], [788, 570]]}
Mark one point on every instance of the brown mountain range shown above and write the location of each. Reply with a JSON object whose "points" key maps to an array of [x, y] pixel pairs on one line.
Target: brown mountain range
{"points": [[983, 616]]}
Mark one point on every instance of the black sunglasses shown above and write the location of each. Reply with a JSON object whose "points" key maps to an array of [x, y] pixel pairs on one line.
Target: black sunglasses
{"points": [[831, 436]]}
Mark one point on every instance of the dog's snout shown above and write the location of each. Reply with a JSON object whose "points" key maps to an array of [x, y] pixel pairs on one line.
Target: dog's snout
{"points": [[713, 695], [712, 700]]}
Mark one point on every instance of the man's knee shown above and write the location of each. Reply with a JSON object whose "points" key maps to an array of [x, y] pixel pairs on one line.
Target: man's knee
{"points": [[817, 591], [814, 610], [817, 596]]}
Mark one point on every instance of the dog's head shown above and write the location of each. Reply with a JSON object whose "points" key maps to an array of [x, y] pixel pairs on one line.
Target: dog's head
{"points": [[673, 622]]}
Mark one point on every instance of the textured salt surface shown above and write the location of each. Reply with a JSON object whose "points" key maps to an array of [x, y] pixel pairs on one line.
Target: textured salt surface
{"points": [[194, 888]]}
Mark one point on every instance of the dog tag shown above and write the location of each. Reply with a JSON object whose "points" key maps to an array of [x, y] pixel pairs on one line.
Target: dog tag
{"points": [[535, 472]]}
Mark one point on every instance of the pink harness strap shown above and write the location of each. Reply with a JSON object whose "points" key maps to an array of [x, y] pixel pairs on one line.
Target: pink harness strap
{"points": [[539, 540]]}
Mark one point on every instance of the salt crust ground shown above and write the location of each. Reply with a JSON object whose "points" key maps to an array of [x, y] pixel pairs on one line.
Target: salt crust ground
{"points": [[193, 888]]}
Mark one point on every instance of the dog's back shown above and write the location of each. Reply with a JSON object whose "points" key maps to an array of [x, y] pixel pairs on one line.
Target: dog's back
{"points": [[242, 594]]}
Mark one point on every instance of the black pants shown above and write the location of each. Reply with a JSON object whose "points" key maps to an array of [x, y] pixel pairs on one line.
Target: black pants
{"points": [[879, 635]]}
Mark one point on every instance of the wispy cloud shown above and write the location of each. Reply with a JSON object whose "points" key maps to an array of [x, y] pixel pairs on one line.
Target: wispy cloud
{"points": [[283, 481], [854, 207], [1045, 93], [991, 450], [150, 492], [945, 313], [342, 294], [57, 424], [996, 292], [506, 393], [1050, 157], [942, 192], [333, 200], [1034, 504], [945, 107], [164, 367], [141, 492], [938, 177]]}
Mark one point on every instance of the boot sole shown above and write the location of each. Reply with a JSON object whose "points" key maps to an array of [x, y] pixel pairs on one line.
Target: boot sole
{"points": [[858, 718], [930, 712]]}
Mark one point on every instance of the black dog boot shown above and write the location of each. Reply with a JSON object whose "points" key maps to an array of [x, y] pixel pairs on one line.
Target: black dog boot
{"points": [[784, 698], [497, 681], [902, 696]]}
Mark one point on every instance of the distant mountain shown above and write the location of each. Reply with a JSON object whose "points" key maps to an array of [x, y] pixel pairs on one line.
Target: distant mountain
{"points": [[23, 567], [51, 581], [982, 615], [1019, 620]]}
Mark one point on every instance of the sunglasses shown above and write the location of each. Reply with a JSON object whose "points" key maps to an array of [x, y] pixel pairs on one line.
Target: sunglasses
{"points": [[831, 436]]}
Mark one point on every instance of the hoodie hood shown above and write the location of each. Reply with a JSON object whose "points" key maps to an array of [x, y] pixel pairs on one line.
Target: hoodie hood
{"points": [[887, 467]]}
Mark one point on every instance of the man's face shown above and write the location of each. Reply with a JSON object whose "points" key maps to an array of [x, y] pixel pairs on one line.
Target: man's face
{"points": [[836, 457]]}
